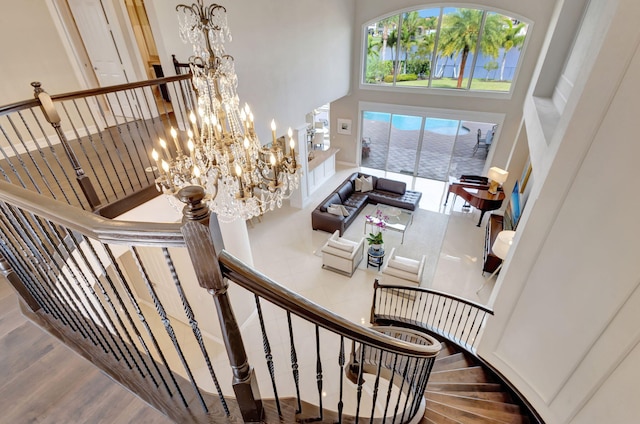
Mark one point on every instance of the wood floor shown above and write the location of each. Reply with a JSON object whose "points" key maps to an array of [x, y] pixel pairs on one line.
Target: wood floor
{"points": [[42, 381]]}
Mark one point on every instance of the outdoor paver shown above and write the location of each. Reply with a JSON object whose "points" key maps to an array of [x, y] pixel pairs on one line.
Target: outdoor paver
{"points": [[442, 156]]}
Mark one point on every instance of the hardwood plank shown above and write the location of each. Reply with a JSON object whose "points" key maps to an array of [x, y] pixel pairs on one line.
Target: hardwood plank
{"points": [[41, 380]]}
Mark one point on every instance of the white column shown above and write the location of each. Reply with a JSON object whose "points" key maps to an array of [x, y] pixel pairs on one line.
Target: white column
{"points": [[236, 241]]}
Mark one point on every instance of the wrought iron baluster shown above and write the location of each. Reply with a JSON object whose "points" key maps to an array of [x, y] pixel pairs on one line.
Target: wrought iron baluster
{"points": [[267, 354], [79, 276], [294, 363], [81, 251], [134, 303], [26, 233], [117, 129], [390, 388], [411, 383], [56, 177], [18, 266], [341, 362], [405, 372], [376, 385], [125, 311], [444, 306], [479, 325], [8, 160], [195, 328], [460, 331], [428, 319], [82, 147], [135, 141], [18, 157], [360, 381], [319, 373], [123, 139], [451, 318], [108, 151], [169, 329]]}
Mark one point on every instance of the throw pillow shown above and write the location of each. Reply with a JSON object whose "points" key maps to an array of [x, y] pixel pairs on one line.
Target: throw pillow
{"points": [[358, 183], [339, 209], [405, 264], [341, 244], [335, 210], [367, 184]]}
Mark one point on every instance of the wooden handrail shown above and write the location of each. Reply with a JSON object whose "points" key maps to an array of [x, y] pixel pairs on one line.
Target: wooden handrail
{"points": [[95, 226], [263, 286], [26, 104]]}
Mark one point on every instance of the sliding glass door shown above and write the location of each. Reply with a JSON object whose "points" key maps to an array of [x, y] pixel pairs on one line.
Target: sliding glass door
{"points": [[422, 146], [404, 141]]}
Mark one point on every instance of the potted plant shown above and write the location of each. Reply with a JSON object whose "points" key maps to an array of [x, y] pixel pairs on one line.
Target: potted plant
{"points": [[375, 240]]}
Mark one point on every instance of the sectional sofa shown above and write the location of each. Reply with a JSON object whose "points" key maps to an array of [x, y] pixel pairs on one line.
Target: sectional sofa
{"points": [[377, 190]]}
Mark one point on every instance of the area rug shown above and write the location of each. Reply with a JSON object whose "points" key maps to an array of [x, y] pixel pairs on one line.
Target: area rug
{"points": [[424, 236]]}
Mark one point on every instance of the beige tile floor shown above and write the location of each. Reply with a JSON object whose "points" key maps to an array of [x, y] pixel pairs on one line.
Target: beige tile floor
{"points": [[283, 245]]}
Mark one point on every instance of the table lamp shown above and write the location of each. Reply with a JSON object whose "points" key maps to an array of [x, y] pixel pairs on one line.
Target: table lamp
{"points": [[500, 248], [497, 177]]}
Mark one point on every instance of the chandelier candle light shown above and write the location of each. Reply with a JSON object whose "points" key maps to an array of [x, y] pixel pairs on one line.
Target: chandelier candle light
{"points": [[242, 178]]}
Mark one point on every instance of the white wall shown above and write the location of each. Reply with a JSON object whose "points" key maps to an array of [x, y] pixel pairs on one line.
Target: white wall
{"points": [[291, 56], [31, 51], [568, 300]]}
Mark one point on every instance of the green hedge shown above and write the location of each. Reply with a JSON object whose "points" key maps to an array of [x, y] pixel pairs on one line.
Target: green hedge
{"points": [[401, 77]]}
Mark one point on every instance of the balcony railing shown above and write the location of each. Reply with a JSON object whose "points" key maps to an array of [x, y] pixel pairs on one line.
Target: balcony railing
{"points": [[92, 148], [455, 319]]}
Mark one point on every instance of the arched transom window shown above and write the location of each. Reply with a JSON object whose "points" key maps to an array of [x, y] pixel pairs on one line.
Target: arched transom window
{"points": [[444, 47]]}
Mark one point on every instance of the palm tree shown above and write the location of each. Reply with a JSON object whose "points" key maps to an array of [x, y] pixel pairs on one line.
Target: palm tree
{"points": [[411, 21], [460, 35], [387, 24], [513, 37]]}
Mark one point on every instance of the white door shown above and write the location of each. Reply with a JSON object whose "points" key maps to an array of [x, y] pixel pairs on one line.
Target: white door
{"points": [[110, 64]]}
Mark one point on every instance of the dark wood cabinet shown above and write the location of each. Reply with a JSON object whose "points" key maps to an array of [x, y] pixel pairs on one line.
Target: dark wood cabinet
{"points": [[490, 261]]}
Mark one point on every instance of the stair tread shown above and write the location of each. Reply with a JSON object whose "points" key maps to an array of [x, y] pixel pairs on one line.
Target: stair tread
{"points": [[475, 374], [494, 396], [438, 418], [463, 416], [459, 386], [455, 361], [498, 410]]}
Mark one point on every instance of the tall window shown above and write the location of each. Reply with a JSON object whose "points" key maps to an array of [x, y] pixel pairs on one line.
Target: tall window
{"points": [[455, 48]]}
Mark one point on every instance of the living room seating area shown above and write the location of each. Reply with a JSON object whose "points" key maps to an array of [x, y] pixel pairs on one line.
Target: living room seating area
{"points": [[338, 210]]}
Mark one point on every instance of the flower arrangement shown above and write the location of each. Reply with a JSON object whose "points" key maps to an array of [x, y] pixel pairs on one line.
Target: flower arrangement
{"points": [[379, 222]]}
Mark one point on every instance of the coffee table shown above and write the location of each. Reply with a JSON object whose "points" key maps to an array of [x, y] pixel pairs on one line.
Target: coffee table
{"points": [[397, 219]]}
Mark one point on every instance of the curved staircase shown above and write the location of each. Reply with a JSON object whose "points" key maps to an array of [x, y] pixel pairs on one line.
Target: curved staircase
{"points": [[461, 390]]}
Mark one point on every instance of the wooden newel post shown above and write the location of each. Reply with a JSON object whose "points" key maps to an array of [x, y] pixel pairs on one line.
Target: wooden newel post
{"points": [[204, 242], [14, 280], [51, 114]]}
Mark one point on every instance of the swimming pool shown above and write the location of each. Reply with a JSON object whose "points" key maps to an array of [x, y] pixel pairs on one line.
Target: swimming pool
{"points": [[413, 123]]}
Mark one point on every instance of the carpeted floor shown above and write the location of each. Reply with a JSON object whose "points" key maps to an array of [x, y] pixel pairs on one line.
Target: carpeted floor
{"points": [[424, 236]]}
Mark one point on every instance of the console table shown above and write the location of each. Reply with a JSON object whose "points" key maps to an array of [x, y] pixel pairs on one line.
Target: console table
{"points": [[490, 261]]}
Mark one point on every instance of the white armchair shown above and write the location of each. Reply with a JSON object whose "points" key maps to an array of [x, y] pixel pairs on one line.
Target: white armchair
{"points": [[342, 255], [405, 271]]}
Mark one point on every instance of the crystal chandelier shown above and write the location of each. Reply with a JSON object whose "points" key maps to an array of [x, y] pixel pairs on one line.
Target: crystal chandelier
{"points": [[241, 177]]}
